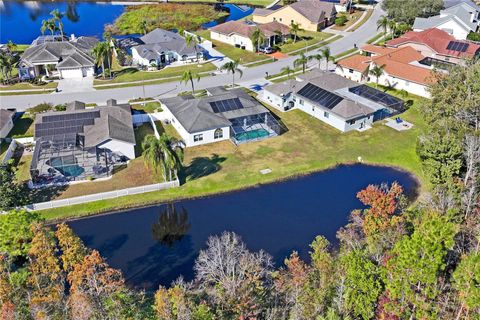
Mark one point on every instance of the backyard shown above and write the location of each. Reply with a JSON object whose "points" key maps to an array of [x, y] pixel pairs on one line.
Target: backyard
{"points": [[308, 146]]}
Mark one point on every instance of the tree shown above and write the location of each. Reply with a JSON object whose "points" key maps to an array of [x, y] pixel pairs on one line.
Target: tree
{"points": [[49, 25], [72, 248], [295, 29], [289, 71], [257, 37], [8, 61], [144, 26], [377, 72], [189, 76], [16, 231], [383, 23], [165, 153], [325, 52], [466, 280], [192, 41], [392, 25], [57, 18], [407, 10], [232, 67], [318, 57], [411, 274], [11, 191], [362, 284], [99, 52], [11, 46], [301, 61]]}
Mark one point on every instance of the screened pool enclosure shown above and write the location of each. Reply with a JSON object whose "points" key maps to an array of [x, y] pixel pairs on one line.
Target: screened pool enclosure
{"points": [[255, 127]]}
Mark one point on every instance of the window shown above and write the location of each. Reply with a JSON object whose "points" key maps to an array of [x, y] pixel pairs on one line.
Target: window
{"points": [[280, 19], [218, 134], [407, 83], [300, 101], [351, 122], [198, 137], [326, 114], [350, 70]]}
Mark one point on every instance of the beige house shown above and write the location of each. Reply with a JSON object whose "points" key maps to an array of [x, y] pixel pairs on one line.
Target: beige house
{"points": [[310, 15]]}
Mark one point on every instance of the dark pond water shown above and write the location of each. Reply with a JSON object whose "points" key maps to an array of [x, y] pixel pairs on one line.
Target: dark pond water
{"points": [[21, 21], [155, 245]]}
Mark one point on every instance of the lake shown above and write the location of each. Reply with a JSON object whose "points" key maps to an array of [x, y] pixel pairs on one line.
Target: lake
{"points": [[157, 244], [21, 21]]}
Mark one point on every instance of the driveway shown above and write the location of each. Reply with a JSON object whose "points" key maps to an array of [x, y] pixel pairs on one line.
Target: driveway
{"points": [[75, 85]]}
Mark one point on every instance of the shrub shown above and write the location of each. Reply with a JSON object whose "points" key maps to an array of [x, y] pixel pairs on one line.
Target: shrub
{"points": [[473, 36], [39, 108], [60, 107], [341, 20]]}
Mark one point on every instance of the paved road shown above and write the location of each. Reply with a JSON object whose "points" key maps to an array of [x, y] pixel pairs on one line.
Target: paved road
{"points": [[252, 77]]}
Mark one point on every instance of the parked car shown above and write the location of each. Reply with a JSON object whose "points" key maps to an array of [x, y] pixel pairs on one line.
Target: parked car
{"points": [[267, 49]]}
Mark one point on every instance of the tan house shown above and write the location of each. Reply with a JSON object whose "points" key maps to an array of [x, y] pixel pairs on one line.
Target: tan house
{"points": [[310, 15]]}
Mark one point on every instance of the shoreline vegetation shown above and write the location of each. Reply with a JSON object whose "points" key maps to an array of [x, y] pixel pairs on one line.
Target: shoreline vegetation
{"points": [[257, 3], [140, 19]]}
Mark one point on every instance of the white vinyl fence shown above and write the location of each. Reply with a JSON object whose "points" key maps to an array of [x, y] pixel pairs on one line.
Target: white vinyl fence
{"points": [[103, 196], [10, 151]]}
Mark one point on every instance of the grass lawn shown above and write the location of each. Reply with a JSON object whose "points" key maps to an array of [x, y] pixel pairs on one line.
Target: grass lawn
{"points": [[23, 168], [305, 38], [352, 18], [149, 107], [234, 53], [3, 149], [22, 127], [365, 19], [257, 3], [133, 74], [29, 86], [308, 146]]}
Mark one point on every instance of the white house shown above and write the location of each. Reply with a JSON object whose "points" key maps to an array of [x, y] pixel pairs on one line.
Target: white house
{"points": [[341, 103], [223, 115], [6, 122], [401, 68], [458, 20], [238, 33], [67, 58]]}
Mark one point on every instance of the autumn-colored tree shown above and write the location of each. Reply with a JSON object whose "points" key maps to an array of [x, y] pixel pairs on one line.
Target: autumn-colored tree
{"points": [[172, 303], [96, 282], [46, 278], [72, 248]]}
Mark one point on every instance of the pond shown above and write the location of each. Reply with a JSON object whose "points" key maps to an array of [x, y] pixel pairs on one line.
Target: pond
{"points": [[21, 21], [155, 245]]}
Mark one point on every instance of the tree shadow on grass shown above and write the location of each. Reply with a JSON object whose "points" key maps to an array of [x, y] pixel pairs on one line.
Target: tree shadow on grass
{"points": [[201, 167]]}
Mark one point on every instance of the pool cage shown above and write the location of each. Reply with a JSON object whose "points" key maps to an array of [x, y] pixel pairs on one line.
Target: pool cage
{"points": [[63, 158], [255, 127], [393, 104]]}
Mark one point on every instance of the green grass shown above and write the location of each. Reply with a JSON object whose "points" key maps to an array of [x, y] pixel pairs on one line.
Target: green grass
{"points": [[345, 53], [22, 127], [375, 38], [3, 149], [351, 19], [310, 145], [257, 3], [23, 168], [283, 73], [149, 107], [234, 53], [305, 38], [365, 19], [318, 45], [133, 74]]}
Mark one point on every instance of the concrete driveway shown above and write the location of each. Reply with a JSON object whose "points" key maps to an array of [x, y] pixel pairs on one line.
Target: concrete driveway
{"points": [[75, 85]]}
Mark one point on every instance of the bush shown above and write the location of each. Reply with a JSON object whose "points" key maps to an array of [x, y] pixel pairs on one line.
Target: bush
{"points": [[473, 36], [39, 108], [60, 107], [341, 20]]}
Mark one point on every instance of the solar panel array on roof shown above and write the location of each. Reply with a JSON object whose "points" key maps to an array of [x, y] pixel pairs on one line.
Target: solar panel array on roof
{"points": [[65, 123], [226, 105], [377, 96], [457, 46], [323, 97]]}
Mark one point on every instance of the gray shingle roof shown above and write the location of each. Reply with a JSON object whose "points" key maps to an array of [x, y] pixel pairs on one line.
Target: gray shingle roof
{"points": [[196, 114], [314, 10], [460, 13], [159, 40], [5, 116]]}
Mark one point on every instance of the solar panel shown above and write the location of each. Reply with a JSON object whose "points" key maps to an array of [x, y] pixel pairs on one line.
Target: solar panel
{"points": [[457, 46], [226, 105], [323, 97], [377, 96], [70, 123]]}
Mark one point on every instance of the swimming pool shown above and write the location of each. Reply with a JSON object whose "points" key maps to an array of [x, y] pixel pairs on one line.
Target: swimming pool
{"points": [[253, 134], [66, 166]]}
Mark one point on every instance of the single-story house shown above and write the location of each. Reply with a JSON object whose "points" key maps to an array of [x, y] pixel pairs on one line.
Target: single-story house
{"points": [[6, 122], [238, 33], [339, 102], [160, 47], [310, 15], [401, 68], [222, 115], [54, 57], [438, 46], [82, 142], [458, 20]]}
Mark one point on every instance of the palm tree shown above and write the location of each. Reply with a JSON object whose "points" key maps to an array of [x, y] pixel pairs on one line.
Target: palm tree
{"points": [[301, 61], [192, 41], [11, 46], [295, 29], [57, 17], [325, 52], [257, 38], [318, 57], [109, 48], [392, 25], [144, 26], [49, 25], [171, 226], [377, 72], [165, 153], [232, 67], [7, 64], [187, 77], [288, 71], [99, 53], [382, 23]]}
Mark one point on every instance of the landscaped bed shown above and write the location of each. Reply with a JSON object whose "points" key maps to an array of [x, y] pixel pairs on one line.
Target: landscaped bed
{"points": [[28, 86], [309, 145]]}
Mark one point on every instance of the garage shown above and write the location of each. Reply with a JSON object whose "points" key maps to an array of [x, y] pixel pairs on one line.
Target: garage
{"points": [[71, 73]]}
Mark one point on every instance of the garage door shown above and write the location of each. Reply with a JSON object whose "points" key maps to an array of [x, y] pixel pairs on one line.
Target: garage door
{"points": [[71, 73]]}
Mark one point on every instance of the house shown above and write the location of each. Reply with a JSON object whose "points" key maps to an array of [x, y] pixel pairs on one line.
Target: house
{"points": [[339, 102], [6, 122], [438, 46], [160, 47], [310, 15], [57, 57], [222, 115], [82, 142], [402, 69], [458, 20], [238, 33]]}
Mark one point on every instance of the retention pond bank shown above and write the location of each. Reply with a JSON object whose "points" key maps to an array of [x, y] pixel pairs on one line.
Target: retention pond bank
{"points": [[155, 245]]}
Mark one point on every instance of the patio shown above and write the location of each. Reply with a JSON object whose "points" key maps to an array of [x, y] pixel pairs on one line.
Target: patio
{"points": [[398, 124]]}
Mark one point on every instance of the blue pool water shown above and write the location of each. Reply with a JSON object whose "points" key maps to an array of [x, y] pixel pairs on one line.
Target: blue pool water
{"points": [[67, 166], [21, 21], [155, 245], [253, 134]]}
